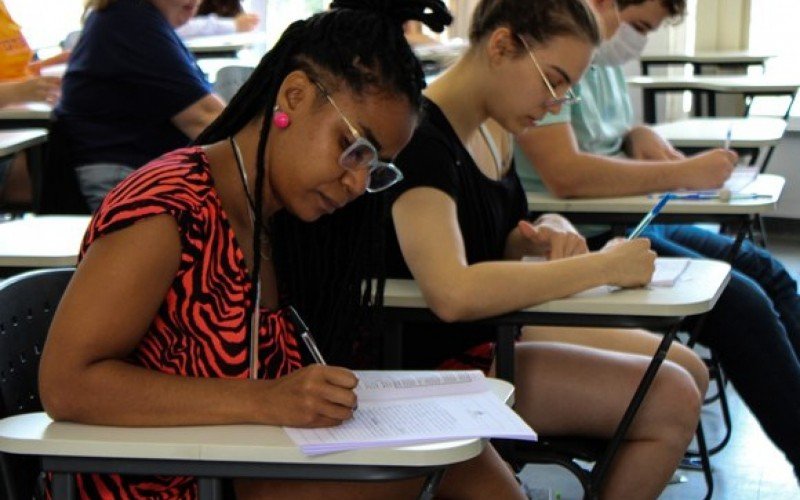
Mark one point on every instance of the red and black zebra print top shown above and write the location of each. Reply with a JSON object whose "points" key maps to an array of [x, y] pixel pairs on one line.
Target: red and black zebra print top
{"points": [[200, 328]]}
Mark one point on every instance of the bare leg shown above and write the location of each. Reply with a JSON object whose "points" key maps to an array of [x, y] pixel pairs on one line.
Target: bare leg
{"points": [[485, 476], [633, 341], [567, 389]]}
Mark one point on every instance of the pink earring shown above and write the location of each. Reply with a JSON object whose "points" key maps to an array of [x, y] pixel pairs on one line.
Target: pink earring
{"points": [[280, 119]]}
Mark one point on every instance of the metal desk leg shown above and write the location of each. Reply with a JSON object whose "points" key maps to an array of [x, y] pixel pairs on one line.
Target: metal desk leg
{"points": [[602, 465], [64, 486], [504, 352], [209, 488], [431, 485], [392, 345], [649, 105]]}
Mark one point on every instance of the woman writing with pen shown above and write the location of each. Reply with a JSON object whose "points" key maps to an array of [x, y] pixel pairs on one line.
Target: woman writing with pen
{"points": [[178, 302]]}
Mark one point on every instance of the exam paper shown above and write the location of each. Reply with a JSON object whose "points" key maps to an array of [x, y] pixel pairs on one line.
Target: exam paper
{"points": [[407, 408]]}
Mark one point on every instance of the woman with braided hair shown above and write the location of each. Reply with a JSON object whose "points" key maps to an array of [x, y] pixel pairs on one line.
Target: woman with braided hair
{"points": [[180, 267]]}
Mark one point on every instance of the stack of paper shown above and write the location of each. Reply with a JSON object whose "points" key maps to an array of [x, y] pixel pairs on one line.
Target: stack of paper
{"points": [[401, 408]]}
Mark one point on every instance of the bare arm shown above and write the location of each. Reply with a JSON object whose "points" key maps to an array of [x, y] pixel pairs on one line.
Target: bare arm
{"points": [[35, 89], [108, 306], [568, 172], [430, 239], [194, 119]]}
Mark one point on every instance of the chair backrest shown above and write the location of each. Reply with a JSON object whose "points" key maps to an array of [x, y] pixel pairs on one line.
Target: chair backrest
{"points": [[230, 79], [27, 304]]}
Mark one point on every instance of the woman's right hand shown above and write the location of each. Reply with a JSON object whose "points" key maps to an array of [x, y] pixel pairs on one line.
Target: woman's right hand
{"points": [[313, 396], [38, 89], [630, 263]]}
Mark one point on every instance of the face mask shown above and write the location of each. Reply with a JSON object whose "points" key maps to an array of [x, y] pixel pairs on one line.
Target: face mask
{"points": [[626, 45]]}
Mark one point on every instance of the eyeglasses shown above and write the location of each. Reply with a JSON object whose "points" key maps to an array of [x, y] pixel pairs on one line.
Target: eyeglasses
{"points": [[361, 154], [569, 96]]}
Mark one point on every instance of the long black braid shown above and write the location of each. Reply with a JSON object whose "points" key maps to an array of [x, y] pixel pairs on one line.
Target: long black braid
{"points": [[325, 269]]}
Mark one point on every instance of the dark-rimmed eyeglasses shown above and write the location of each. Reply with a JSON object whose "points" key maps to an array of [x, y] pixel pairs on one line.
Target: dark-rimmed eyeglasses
{"points": [[569, 96], [361, 154]]}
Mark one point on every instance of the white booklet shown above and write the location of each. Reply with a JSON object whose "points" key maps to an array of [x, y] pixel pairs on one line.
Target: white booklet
{"points": [[402, 408]]}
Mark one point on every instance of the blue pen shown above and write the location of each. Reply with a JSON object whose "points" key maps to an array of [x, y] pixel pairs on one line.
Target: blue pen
{"points": [[722, 196], [728, 137], [650, 216]]}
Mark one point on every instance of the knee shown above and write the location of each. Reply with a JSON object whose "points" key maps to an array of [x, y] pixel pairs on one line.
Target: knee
{"points": [[690, 361], [679, 402]]}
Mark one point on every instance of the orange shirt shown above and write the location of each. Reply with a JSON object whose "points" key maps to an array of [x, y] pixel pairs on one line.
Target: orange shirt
{"points": [[15, 54]]}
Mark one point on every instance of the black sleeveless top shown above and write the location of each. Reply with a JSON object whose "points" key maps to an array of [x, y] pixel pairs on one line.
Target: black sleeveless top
{"points": [[487, 211]]}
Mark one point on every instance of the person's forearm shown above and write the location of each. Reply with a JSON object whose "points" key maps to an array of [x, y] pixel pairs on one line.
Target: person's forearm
{"points": [[9, 93], [114, 392], [491, 288], [588, 175]]}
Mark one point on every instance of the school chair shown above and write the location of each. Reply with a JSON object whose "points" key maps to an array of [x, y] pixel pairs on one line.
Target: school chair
{"points": [[27, 304]]}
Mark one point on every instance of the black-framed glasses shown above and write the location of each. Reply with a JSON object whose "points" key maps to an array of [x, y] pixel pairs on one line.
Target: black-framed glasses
{"points": [[361, 154], [569, 96]]}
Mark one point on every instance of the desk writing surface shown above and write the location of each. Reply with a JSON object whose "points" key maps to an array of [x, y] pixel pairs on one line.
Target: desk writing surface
{"points": [[728, 84], [750, 132], [42, 241], [27, 111], [14, 141], [225, 43], [764, 184], [744, 57], [695, 292], [37, 434]]}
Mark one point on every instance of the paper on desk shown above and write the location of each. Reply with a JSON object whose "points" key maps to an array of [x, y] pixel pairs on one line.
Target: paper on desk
{"points": [[666, 274], [740, 178], [407, 408], [668, 270]]}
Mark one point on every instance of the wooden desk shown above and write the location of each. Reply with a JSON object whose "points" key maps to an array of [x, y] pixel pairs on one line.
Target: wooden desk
{"points": [[695, 292], [748, 86], [224, 45], [30, 115], [42, 241], [698, 60], [210, 452]]}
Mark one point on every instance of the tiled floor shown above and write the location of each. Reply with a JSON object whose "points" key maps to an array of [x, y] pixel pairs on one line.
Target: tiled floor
{"points": [[748, 468]]}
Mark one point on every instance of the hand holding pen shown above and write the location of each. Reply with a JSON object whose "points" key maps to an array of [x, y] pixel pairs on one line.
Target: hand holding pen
{"points": [[333, 400]]}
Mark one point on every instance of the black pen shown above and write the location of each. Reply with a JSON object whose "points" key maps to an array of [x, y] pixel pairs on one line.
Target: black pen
{"points": [[305, 334]]}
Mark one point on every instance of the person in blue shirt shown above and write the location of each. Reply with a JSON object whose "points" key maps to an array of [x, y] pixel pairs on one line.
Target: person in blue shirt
{"points": [[592, 149], [132, 91]]}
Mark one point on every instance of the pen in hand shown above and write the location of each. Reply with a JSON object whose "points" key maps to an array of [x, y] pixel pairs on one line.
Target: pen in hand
{"points": [[650, 216], [305, 334]]}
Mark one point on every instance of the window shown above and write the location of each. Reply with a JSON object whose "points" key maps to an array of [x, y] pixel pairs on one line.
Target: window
{"points": [[45, 23], [776, 34]]}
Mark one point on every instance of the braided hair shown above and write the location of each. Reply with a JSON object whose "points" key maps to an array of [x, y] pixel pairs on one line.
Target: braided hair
{"points": [[326, 268]]}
